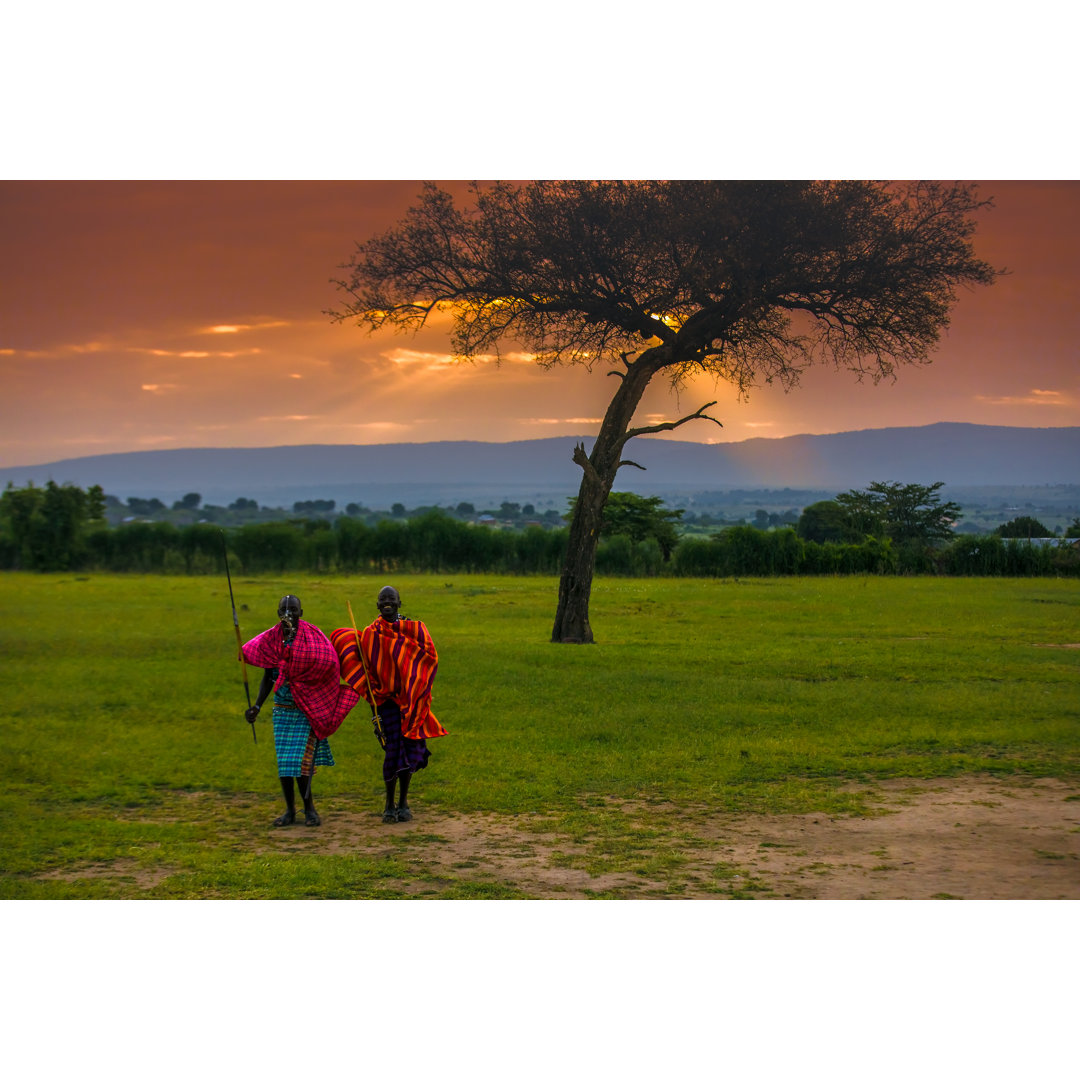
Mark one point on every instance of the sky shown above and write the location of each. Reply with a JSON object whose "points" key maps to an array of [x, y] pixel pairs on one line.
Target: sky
{"points": [[141, 315]]}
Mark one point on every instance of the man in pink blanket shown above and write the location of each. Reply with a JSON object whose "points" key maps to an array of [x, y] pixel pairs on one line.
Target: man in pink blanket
{"points": [[302, 668]]}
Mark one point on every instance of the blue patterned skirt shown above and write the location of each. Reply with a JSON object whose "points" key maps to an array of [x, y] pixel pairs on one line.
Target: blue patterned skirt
{"points": [[298, 751], [402, 755]]}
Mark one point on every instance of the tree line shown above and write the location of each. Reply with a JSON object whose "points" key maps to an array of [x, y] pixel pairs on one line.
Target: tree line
{"points": [[887, 529]]}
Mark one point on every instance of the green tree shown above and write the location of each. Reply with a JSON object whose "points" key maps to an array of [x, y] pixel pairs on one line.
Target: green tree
{"points": [[746, 281], [20, 509], [1024, 528], [96, 503], [1074, 528], [905, 513], [826, 521], [189, 502], [641, 518], [48, 526], [144, 507]]}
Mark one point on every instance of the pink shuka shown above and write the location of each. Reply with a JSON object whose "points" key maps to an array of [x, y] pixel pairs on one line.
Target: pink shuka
{"points": [[310, 665]]}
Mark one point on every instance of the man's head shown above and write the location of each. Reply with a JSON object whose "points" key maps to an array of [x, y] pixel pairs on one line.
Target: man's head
{"points": [[388, 602], [289, 610]]}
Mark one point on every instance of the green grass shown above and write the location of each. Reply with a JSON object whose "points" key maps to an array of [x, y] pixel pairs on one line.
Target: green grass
{"points": [[123, 729]]}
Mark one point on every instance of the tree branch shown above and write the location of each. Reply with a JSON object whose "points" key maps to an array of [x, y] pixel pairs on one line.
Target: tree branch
{"points": [[670, 425], [582, 459]]}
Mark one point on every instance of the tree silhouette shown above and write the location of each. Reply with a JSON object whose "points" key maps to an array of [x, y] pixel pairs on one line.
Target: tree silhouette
{"points": [[747, 281]]}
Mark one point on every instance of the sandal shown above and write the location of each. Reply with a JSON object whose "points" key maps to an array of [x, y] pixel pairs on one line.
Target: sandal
{"points": [[311, 817], [286, 819], [389, 816], [404, 813]]}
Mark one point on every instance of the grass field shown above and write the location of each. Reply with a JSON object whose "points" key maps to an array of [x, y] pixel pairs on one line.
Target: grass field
{"points": [[131, 772]]}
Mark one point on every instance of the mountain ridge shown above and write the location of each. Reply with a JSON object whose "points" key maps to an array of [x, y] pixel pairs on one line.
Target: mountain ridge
{"points": [[379, 474]]}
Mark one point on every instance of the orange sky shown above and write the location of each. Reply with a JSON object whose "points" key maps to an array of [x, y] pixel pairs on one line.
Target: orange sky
{"points": [[154, 315]]}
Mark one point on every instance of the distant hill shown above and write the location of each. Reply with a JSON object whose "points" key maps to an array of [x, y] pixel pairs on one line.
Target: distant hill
{"points": [[541, 470]]}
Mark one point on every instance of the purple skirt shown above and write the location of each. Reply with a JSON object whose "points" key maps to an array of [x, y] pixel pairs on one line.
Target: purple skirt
{"points": [[402, 755]]}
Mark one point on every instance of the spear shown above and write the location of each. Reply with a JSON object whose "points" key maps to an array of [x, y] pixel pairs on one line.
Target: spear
{"points": [[363, 667], [236, 626]]}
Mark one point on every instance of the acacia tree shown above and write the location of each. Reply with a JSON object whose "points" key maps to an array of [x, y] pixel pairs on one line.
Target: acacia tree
{"points": [[747, 281], [903, 512]]}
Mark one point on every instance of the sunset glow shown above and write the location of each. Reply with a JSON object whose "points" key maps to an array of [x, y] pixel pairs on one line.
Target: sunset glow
{"points": [[109, 343]]}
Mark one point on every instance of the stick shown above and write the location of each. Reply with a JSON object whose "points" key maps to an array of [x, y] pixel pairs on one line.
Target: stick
{"points": [[236, 626], [363, 667]]}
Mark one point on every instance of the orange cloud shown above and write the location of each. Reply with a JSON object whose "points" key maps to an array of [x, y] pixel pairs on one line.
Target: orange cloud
{"points": [[564, 420], [193, 354], [239, 328], [1035, 397]]}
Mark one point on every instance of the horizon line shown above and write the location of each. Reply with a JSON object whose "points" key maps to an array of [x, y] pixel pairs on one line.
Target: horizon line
{"points": [[549, 438]]}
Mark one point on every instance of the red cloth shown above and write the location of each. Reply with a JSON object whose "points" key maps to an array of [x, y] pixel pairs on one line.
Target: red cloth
{"points": [[311, 667], [401, 663]]}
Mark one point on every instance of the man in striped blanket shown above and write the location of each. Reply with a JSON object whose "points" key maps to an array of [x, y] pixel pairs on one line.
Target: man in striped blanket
{"points": [[401, 662], [309, 701]]}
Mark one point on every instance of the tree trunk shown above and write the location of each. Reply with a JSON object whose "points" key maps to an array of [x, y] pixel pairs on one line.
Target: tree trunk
{"points": [[599, 469]]}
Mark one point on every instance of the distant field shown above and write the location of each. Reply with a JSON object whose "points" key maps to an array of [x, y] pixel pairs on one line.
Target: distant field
{"points": [[131, 772]]}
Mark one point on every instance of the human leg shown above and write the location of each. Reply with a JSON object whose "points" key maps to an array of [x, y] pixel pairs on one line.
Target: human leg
{"points": [[311, 816], [389, 811], [403, 811], [290, 804]]}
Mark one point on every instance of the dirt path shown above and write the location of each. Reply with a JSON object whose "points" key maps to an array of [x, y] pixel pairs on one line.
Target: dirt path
{"points": [[971, 838]]}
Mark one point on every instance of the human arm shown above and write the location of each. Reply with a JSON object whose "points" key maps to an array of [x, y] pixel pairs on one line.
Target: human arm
{"points": [[269, 677]]}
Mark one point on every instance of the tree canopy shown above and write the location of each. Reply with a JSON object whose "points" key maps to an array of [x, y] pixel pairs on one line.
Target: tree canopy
{"points": [[901, 512], [641, 518], [746, 281], [1021, 527], [827, 521]]}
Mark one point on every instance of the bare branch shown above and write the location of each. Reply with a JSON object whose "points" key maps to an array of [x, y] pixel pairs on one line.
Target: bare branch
{"points": [[634, 463], [582, 459], [669, 425]]}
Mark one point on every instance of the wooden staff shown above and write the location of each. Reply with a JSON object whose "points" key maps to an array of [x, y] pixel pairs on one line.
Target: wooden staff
{"points": [[363, 667], [236, 625]]}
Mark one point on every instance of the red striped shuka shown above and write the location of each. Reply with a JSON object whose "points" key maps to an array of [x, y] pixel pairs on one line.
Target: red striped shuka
{"points": [[401, 664]]}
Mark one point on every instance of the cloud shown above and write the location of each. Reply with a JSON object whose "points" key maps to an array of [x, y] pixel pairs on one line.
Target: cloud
{"points": [[194, 354], [1034, 397], [435, 361], [159, 388], [239, 328], [563, 420], [380, 426], [409, 357], [280, 419]]}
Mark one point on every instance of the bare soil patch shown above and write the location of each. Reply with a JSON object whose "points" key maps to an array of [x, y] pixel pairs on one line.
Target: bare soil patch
{"points": [[968, 838], [976, 838]]}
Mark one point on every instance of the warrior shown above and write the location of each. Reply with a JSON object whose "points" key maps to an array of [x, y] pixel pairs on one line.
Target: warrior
{"points": [[302, 669], [395, 675]]}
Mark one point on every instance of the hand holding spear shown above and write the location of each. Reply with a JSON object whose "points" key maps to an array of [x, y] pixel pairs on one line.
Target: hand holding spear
{"points": [[363, 667], [236, 625]]}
